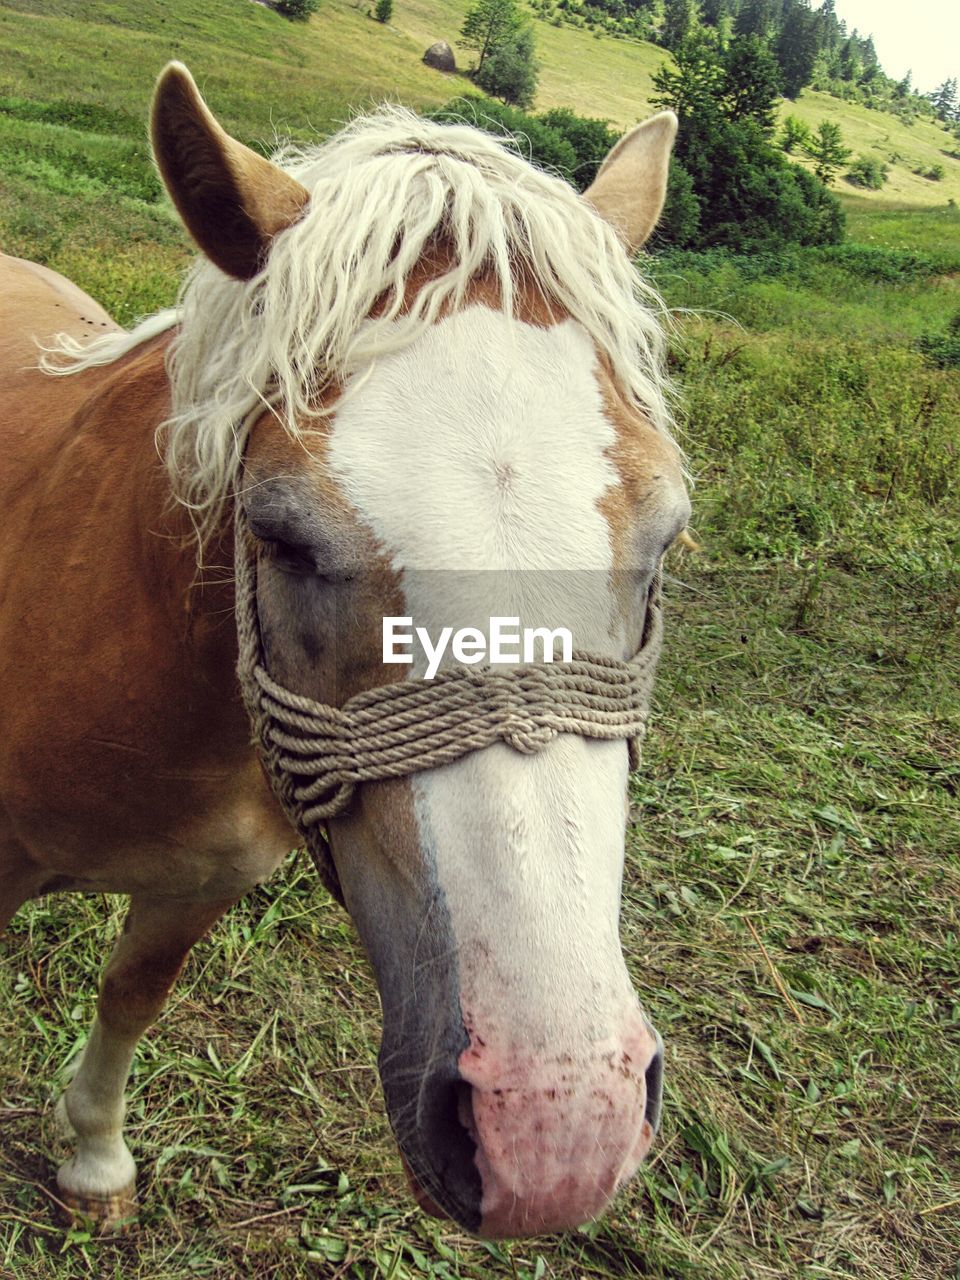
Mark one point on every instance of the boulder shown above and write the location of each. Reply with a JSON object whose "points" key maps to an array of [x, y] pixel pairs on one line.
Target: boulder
{"points": [[440, 56]]}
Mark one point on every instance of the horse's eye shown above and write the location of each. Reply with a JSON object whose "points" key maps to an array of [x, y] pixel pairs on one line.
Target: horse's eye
{"points": [[291, 557]]}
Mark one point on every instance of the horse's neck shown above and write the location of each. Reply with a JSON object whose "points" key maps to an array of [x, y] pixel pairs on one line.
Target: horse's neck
{"points": [[117, 660], [105, 502]]}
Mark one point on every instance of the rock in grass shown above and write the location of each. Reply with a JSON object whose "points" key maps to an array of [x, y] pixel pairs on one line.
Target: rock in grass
{"points": [[440, 56]]}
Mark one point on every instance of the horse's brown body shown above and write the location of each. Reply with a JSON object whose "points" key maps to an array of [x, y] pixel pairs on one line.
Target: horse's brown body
{"points": [[130, 769]]}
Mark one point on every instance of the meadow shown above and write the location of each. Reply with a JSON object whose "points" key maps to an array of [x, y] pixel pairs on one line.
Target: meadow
{"points": [[792, 880]]}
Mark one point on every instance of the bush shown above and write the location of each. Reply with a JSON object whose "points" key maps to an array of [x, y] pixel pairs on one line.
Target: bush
{"points": [[536, 141], [867, 171], [84, 116], [936, 173], [299, 9], [750, 195], [943, 349], [679, 223], [590, 139], [571, 145], [384, 10], [883, 266]]}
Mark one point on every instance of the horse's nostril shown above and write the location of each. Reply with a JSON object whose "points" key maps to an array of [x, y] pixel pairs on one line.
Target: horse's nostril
{"points": [[440, 1148], [654, 1079], [465, 1111]]}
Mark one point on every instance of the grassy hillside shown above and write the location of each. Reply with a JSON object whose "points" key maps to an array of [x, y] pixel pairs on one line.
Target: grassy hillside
{"points": [[270, 75], [793, 872], [883, 137]]}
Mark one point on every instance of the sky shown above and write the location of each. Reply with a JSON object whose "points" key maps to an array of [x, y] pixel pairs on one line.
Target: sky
{"points": [[922, 36]]}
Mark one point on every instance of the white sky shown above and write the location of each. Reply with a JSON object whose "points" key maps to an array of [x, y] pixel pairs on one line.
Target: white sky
{"points": [[922, 36]]}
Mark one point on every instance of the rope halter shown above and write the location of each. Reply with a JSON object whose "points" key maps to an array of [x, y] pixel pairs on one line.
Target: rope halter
{"points": [[316, 755]]}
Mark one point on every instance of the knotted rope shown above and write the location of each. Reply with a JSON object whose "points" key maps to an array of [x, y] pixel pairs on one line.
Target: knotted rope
{"points": [[316, 755]]}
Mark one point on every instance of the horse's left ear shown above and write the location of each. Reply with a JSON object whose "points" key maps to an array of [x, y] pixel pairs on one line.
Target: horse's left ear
{"points": [[232, 201], [630, 188]]}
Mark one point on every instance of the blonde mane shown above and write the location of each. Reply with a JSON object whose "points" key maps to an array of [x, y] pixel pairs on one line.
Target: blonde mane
{"points": [[383, 192]]}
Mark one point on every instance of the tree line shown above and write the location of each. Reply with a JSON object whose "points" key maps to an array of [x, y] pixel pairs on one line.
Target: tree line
{"points": [[811, 46]]}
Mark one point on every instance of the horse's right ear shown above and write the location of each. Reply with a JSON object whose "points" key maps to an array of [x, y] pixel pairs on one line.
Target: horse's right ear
{"points": [[631, 184], [232, 201]]}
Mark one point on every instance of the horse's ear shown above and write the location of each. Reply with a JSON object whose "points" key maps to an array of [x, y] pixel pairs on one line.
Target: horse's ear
{"points": [[631, 185], [232, 201]]}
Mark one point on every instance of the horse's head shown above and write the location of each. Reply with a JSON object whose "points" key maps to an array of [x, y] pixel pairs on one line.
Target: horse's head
{"points": [[491, 443]]}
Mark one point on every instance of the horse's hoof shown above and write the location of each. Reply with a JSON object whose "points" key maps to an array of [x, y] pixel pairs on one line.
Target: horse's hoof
{"points": [[115, 1215]]}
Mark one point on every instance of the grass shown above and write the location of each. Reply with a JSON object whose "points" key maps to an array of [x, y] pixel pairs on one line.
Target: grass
{"points": [[793, 871]]}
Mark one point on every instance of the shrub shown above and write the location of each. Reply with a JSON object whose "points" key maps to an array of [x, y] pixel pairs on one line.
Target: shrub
{"points": [[936, 173], [85, 116], [536, 141], [867, 171], [883, 266], [590, 139], [943, 349], [298, 9], [384, 10], [750, 195], [679, 223]]}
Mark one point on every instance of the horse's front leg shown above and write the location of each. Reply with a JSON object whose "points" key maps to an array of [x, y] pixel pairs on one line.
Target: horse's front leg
{"points": [[99, 1179]]}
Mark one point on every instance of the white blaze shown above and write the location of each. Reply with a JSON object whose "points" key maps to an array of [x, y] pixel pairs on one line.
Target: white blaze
{"points": [[478, 457]]}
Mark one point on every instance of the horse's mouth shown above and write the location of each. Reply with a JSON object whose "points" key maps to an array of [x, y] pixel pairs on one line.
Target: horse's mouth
{"points": [[422, 1197]]}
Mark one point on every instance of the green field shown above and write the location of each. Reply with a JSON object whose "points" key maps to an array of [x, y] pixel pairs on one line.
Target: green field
{"points": [[793, 873]]}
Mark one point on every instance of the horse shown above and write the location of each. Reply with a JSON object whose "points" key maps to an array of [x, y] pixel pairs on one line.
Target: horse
{"points": [[426, 381]]}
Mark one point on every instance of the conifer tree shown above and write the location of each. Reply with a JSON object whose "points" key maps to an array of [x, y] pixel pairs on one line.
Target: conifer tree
{"points": [[797, 46], [944, 99], [679, 21], [826, 149]]}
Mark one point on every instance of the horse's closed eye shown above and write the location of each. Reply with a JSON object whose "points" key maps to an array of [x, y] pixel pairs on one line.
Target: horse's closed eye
{"points": [[291, 557]]}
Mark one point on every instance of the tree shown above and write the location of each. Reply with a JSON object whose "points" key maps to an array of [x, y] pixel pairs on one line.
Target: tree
{"points": [[740, 82], [870, 63], [732, 187], [829, 26], [713, 12], [694, 90], [797, 47], [751, 82], [679, 222], [851, 64], [944, 101], [755, 18], [826, 149], [679, 21], [384, 10], [510, 69], [489, 24], [795, 134]]}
